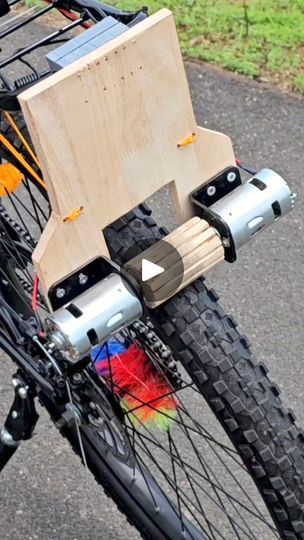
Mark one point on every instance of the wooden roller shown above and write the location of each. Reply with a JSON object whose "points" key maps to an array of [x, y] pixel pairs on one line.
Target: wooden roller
{"points": [[198, 249]]}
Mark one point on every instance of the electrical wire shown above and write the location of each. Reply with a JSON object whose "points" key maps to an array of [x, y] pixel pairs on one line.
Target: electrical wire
{"points": [[245, 167]]}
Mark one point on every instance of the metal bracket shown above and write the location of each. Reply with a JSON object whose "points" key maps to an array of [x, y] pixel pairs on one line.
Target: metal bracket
{"points": [[22, 417], [217, 187], [85, 278], [205, 196]]}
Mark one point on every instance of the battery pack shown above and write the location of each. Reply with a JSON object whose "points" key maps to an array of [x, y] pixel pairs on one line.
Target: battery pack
{"points": [[84, 43]]}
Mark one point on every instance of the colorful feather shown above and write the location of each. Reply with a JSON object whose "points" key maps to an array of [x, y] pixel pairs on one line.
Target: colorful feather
{"points": [[142, 388]]}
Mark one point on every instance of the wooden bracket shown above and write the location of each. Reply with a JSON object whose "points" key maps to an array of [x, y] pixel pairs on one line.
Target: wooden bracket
{"points": [[109, 131]]}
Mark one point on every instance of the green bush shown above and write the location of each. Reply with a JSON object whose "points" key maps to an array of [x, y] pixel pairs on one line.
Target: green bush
{"points": [[258, 38]]}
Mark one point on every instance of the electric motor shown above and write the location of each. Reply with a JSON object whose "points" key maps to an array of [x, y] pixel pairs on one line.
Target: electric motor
{"points": [[254, 205], [93, 316]]}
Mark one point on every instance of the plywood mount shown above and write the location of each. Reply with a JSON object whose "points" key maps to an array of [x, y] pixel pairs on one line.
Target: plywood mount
{"points": [[109, 131]]}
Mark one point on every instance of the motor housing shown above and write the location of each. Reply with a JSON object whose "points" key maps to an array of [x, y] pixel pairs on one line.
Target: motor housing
{"points": [[254, 205], [239, 211], [94, 315]]}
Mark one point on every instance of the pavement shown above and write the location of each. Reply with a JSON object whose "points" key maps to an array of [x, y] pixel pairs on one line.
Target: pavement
{"points": [[44, 493]]}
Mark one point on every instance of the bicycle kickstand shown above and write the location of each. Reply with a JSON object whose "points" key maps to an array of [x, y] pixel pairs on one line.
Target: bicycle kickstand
{"points": [[20, 422]]}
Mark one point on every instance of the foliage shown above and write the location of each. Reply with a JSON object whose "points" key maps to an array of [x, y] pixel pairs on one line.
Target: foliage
{"points": [[259, 38]]}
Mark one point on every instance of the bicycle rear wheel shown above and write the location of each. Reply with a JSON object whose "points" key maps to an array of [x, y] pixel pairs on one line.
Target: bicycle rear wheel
{"points": [[234, 472]]}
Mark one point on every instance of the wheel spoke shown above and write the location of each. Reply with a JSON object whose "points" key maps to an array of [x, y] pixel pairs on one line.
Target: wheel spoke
{"points": [[199, 474], [221, 460], [183, 496], [204, 433]]}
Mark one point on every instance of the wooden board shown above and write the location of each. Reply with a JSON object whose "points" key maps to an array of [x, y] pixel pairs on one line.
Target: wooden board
{"points": [[107, 131], [196, 243]]}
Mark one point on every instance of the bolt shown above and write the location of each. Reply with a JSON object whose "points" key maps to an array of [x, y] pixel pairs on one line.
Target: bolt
{"points": [[77, 377], [231, 176], [211, 190], [60, 293], [15, 382], [225, 242], [22, 392], [83, 279], [15, 414], [60, 382]]}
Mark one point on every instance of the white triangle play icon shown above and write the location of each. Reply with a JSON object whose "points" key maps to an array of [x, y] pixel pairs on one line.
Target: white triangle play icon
{"points": [[149, 270]]}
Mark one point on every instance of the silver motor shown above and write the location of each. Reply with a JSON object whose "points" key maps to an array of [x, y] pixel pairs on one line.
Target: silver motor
{"points": [[254, 205], [93, 316]]}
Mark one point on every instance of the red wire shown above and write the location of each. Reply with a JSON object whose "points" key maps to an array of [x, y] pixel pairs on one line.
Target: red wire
{"points": [[72, 17], [35, 293], [69, 15]]}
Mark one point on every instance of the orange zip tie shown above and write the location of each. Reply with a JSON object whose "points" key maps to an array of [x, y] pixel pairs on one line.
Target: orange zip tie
{"points": [[188, 140], [35, 293], [21, 137], [73, 215], [21, 160]]}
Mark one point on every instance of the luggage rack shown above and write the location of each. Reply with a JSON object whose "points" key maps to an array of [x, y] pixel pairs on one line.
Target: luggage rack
{"points": [[79, 13]]}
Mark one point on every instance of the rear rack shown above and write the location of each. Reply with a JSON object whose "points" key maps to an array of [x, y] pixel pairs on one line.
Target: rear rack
{"points": [[81, 14]]}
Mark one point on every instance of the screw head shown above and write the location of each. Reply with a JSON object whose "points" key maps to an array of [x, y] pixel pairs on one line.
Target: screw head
{"points": [[22, 392], [83, 279], [15, 415], [231, 176], [15, 382], [211, 190], [60, 293], [77, 377]]}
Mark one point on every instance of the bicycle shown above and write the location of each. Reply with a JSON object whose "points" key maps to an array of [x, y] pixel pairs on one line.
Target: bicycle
{"points": [[187, 352]]}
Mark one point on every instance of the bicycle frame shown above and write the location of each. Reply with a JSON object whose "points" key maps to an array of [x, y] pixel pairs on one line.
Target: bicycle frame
{"points": [[80, 13]]}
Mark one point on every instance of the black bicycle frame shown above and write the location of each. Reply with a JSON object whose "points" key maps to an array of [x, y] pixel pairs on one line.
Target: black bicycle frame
{"points": [[81, 13]]}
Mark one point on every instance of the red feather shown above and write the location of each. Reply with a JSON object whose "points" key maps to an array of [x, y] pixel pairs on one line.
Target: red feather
{"points": [[141, 386]]}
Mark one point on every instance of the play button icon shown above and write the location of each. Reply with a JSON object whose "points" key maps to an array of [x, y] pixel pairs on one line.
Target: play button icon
{"points": [[149, 270], [159, 269]]}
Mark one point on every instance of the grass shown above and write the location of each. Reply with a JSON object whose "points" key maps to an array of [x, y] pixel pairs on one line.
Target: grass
{"points": [[263, 39], [258, 38]]}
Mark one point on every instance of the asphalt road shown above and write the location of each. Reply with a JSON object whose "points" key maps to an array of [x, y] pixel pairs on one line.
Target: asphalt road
{"points": [[44, 493]]}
